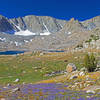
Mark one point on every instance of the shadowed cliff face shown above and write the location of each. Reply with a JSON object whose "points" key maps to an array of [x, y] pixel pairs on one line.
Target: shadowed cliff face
{"points": [[5, 25]]}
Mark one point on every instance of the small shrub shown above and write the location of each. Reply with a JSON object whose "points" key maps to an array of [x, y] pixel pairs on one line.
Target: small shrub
{"points": [[88, 41], [90, 62], [94, 37], [79, 46]]}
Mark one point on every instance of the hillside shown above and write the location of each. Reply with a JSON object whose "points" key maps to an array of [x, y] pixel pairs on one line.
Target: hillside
{"points": [[45, 33]]}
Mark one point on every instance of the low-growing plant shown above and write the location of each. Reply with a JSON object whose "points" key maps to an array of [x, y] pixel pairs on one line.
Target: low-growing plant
{"points": [[94, 37], [88, 41], [90, 62], [79, 46]]}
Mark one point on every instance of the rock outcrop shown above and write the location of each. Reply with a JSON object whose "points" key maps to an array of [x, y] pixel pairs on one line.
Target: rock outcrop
{"points": [[71, 67]]}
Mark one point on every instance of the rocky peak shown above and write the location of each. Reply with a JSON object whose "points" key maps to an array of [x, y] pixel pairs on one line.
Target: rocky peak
{"points": [[73, 26], [71, 20]]}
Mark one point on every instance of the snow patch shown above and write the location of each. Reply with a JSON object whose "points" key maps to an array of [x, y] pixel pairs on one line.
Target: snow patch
{"points": [[45, 27], [26, 41], [3, 39], [24, 33], [45, 33], [31, 40], [16, 43], [28, 33], [69, 33]]}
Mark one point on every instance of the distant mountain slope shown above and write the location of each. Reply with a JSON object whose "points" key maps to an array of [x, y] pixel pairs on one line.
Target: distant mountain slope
{"points": [[92, 23], [69, 36], [31, 25], [44, 33]]}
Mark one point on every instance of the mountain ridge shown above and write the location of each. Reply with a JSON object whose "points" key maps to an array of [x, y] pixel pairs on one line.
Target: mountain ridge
{"points": [[35, 24], [39, 33], [41, 24]]}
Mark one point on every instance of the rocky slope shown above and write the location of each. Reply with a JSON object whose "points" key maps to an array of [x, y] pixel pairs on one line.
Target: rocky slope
{"points": [[43, 32], [34, 24], [69, 36]]}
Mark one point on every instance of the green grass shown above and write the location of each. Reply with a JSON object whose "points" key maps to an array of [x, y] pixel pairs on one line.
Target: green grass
{"points": [[32, 68]]}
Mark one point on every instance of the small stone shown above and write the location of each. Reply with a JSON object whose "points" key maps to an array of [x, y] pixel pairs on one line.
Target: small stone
{"points": [[81, 85], [24, 72], [90, 91], [36, 70], [81, 73], [8, 85], [88, 85], [5, 87], [76, 83], [85, 84], [73, 86], [41, 54], [17, 80], [88, 96], [75, 57]]}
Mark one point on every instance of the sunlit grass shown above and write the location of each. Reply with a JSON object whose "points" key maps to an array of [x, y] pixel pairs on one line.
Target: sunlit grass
{"points": [[32, 68]]}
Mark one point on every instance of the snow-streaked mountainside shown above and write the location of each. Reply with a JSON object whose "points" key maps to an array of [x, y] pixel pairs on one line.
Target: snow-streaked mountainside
{"points": [[44, 33], [31, 25]]}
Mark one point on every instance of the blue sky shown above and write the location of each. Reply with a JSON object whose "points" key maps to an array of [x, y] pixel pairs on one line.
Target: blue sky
{"points": [[62, 9]]}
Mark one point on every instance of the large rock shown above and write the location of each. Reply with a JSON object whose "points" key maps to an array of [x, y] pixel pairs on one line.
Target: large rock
{"points": [[90, 91], [71, 67], [73, 77], [15, 89]]}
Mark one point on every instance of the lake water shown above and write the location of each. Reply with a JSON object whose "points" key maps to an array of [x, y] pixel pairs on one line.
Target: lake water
{"points": [[11, 52]]}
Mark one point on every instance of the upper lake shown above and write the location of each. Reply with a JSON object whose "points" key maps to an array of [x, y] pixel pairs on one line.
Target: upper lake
{"points": [[11, 52]]}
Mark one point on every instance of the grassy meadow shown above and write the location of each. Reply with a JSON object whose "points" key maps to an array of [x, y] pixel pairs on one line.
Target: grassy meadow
{"points": [[31, 67]]}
